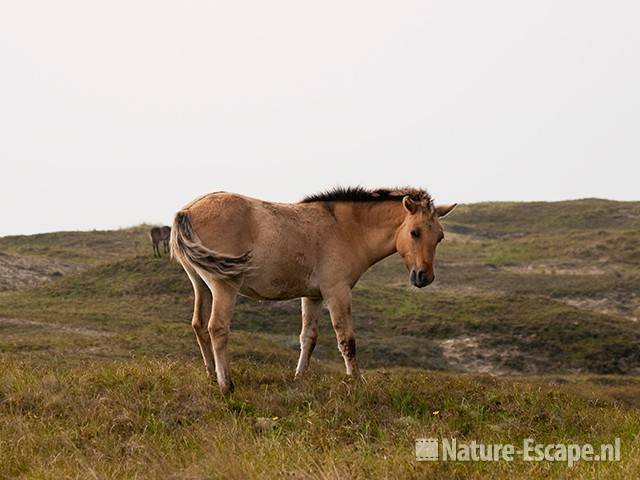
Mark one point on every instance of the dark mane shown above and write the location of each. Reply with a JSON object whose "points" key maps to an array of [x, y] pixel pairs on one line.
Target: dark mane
{"points": [[361, 194]]}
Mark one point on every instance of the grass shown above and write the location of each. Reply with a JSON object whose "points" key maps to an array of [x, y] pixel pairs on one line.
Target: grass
{"points": [[86, 248], [101, 377], [140, 299], [495, 219], [160, 419]]}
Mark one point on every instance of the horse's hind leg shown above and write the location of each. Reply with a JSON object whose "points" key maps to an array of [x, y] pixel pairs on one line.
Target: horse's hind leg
{"points": [[311, 310], [224, 302], [201, 314]]}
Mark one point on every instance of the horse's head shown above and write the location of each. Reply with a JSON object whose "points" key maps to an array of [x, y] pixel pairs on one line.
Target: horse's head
{"points": [[418, 237]]}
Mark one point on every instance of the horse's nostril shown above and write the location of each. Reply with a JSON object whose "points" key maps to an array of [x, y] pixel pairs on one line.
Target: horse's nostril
{"points": [[421, 277], [413, 276]]}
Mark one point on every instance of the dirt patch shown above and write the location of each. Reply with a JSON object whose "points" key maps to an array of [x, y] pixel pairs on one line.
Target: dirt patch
{"points": [[629, 308], [88, 332], [471, 353], [555, 269], [19, 272]]}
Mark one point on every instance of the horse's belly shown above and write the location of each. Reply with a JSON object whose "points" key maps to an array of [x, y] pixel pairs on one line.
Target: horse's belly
{"points": [[282, 270], [278, 288]]}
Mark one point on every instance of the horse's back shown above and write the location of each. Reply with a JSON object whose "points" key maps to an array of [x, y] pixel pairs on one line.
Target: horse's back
{"points": [[155, 234], [284, 239]]}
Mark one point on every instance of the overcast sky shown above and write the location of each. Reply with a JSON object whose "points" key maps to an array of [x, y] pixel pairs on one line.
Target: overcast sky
{"points": [[116, 113]]}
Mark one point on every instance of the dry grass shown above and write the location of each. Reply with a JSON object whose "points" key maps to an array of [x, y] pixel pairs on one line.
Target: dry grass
{"points": [[161, 419]]}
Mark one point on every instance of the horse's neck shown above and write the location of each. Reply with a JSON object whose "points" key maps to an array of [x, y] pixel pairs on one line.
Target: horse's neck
{"points": [[379, 224]]}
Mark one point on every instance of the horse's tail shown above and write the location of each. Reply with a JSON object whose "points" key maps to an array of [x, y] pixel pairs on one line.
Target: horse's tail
{"points": [[187, 249]]}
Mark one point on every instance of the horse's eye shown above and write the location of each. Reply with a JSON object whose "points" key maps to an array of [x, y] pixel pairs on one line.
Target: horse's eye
{"points": [[415, 233]]}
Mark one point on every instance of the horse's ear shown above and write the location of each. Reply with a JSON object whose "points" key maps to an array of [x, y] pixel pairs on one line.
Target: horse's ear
{"points": [[409, 205], [444, 210]]}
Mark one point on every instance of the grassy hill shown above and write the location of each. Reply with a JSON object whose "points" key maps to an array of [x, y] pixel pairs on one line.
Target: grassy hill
{"points": [[27, 260], [100, 372]]}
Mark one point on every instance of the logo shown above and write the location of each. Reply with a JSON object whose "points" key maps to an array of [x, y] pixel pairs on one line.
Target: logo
{"points": [[426, 449], [451, 450]]}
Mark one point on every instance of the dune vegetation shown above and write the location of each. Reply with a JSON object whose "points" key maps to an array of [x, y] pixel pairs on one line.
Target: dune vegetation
{"points": [[530, 331]]}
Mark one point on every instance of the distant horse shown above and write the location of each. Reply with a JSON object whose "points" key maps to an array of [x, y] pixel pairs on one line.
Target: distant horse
{"points": [[317, 249], [157, 235]]}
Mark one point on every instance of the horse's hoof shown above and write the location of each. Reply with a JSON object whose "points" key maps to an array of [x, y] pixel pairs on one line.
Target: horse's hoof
{"points": [[228, 388]]}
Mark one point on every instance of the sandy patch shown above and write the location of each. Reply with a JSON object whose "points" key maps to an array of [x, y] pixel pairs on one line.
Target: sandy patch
{"points": [[551, 269], [607, 306], [55, 326], [469, 353], [19, 272]]}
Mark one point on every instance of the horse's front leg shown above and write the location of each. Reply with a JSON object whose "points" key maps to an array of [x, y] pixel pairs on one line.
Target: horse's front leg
{"points": [[339, 303], [311, 310]]}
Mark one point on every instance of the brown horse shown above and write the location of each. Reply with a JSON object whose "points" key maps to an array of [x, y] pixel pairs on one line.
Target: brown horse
{"points": [[157, 235], [317, 249]]}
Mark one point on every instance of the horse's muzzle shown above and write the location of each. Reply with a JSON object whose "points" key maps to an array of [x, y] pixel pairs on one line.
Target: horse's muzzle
{"points": [[421, 278]]}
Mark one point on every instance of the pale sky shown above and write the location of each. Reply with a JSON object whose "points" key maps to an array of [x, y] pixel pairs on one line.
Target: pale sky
{"points": [[116, 113]]}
